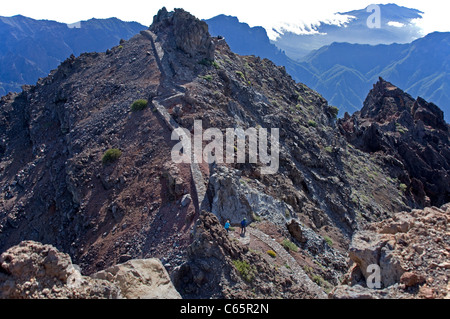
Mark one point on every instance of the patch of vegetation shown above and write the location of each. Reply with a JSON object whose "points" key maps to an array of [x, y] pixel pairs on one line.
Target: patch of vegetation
{"points": [[328, 241], [317, 279], [208, 77], [328, 149], [241, 75], [312, 123], [272, 254], [111, 156], [289, 246], [403, 187], [246, 271], [139, 105], [322, 283], [401, 129]]}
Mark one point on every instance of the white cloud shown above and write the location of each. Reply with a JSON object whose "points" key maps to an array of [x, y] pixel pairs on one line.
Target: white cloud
{"points": [[311, 28], [395, 24]]}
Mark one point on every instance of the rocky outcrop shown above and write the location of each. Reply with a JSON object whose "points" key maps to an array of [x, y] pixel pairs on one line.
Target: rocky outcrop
{"points": [[233, 199], [190, 34], [32, 270], [412, 250], [140, 279], [35, 271], [413, 132]]}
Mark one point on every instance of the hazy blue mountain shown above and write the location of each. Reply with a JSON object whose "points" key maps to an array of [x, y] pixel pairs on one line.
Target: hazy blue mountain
{"points": [[343, 73], [31, 48], [396, 27]]}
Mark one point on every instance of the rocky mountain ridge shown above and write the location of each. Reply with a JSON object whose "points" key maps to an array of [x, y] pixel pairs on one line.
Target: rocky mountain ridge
{"points": [[56, 187]]}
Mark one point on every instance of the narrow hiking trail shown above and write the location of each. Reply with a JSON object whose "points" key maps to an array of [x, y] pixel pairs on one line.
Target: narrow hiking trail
{"points": [[295, 269]]}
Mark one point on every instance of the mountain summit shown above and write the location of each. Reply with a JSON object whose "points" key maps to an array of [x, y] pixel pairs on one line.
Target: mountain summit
{"points": [[411, 130]]}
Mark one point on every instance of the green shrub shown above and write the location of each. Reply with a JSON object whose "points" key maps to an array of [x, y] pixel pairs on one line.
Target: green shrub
{"points": [[328, 240], [246, 271], [111, 155], [139, 105], [272, 254], [318, 279], [403, 187], [241, 75], [401, 129], [208, 77], [215, 65], [288, 245], [312, 123]]}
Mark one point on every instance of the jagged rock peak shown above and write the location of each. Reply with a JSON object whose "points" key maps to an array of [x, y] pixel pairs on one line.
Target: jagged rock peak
{"points": [[386, 101], [190, 34]]}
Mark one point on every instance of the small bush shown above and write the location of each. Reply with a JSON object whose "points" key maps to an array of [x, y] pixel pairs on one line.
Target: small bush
{"points": [[403, 187], [208, 77], [246, 271], [139, 105], [328, 241], [111, 155], [272, 254], [241, 75], [288, 245], [312, 123], [401, 129], [215, 65]]}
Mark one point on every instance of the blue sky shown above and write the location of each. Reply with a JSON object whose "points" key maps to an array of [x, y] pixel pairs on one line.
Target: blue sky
{"points": [[270, 14]]}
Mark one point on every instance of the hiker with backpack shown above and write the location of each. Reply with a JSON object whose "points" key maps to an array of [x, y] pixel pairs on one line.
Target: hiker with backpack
{"points": [[227, 226]]}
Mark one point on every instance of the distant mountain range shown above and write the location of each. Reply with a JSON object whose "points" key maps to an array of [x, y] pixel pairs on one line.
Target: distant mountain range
{"points": [[343, 73], [31, 48], [396, 25]]}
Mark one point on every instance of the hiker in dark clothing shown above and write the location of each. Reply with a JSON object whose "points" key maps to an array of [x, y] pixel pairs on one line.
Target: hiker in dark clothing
{"points": [[243, 226]]}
